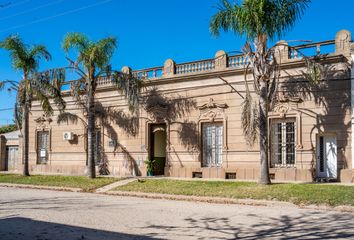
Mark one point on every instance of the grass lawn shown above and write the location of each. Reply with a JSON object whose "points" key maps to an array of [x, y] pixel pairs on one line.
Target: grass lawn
{"points": [[332, 195], [82, 182]]}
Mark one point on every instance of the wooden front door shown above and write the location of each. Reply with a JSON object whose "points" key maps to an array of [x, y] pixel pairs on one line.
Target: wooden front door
{"points": [[11, 157]]}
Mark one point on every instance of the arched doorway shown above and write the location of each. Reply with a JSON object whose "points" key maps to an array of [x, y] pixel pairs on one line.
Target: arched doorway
{"points": [[157, 150]]}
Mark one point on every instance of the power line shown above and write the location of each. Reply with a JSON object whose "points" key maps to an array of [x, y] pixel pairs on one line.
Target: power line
{"points": [[55, 16], [31, 10], [6, 109]]}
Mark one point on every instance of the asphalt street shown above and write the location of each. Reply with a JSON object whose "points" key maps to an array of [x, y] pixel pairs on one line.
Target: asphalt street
{"points": [[41, 214]]}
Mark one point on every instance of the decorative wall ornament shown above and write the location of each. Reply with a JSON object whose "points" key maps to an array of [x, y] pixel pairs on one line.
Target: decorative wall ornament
{"points": [[43, 119], [43, 122], [281, 109], [157, 113], [212, 104], [285, 103]]}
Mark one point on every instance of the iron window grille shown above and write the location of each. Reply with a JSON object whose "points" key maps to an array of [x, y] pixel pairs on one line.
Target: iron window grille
{"points": [[42, 147], [212, 141], [283, 139]]}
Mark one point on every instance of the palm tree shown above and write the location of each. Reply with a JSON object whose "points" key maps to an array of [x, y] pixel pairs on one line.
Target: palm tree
{"points": [[259, 21], [33, 86], [91, 64]]}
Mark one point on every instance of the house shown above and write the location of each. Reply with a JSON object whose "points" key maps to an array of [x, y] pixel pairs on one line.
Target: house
{"points": [[190, 121], [9, 150]]}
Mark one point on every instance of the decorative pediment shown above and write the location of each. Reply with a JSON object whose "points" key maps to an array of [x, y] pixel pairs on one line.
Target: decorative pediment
{"points": [[43, 121], [211, 115], [212, 104], [211, 111], [285, 103], [281, 109], [157, 112]]}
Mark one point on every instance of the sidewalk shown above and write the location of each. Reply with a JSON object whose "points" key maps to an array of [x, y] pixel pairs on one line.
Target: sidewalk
{"points": [[111, 186], [243, 180], [108, 190], [220, 200]]}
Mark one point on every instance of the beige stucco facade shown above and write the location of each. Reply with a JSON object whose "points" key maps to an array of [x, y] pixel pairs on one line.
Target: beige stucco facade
{"points": [[181, 99]]}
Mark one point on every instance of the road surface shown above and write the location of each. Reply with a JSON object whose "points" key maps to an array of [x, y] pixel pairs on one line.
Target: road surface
{"points": [[40, 214]]}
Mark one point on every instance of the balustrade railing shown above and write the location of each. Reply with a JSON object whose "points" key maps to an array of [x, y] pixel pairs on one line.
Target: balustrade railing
{"points": [[341, 45], [311, 49], [104, 81], [192, 67], [148, 73], [237, 61]]}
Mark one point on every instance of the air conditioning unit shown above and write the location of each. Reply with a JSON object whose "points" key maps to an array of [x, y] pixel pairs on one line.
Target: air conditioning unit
{"points": [[68, 136]]}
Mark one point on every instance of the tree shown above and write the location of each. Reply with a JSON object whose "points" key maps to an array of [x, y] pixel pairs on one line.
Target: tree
{"points": [[91, 64], [33, 86], [259, 21], [8, 128]]}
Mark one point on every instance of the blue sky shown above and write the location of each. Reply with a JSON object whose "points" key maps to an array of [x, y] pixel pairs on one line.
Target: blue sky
{"points": [[149, 32]]}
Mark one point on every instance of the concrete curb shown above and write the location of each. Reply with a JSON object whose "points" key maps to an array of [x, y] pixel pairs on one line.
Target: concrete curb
{"points": [[40, 187], [217, 200]]}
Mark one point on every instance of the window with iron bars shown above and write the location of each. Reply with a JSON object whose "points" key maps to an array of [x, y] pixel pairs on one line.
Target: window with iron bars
{"points": [[283, 134], [212, 141], [42, 147]]}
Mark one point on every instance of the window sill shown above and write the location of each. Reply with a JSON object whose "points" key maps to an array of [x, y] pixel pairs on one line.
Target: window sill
{"points": [[283, 166]]}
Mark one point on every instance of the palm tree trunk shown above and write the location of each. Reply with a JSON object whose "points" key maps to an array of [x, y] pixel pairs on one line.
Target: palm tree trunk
{"points": [[263, 133], [25, 136], [90, 137]]}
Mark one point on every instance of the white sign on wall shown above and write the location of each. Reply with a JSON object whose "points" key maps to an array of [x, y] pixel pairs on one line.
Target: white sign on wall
{"points": [[43, 153]]}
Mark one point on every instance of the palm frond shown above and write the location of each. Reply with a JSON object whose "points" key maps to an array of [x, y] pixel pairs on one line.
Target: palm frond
{"points": [[130, 87], [77, 41], [79, 93], [48, 84], [44, 101], [17, 49], [250, 119], [254, 18], [103, 51], [13, 85], [39, 51], [225, 18]]}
